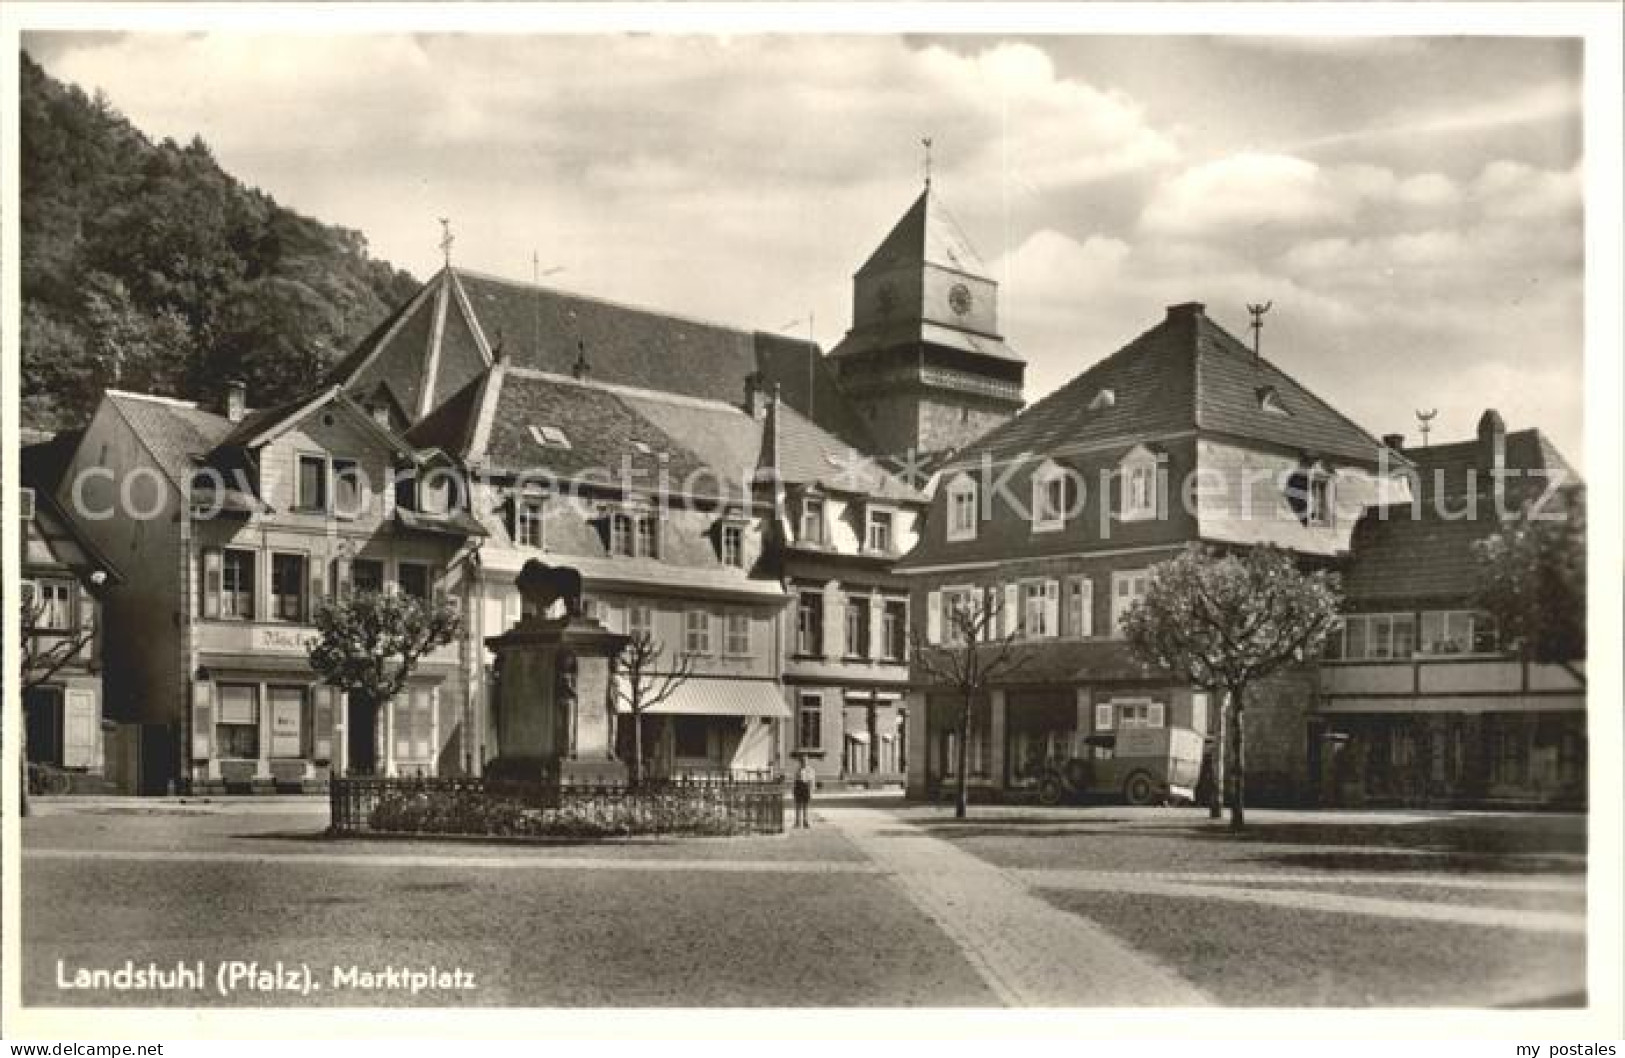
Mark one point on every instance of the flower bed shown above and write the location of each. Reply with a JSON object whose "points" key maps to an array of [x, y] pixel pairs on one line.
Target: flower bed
{"points": [[517, 809]]}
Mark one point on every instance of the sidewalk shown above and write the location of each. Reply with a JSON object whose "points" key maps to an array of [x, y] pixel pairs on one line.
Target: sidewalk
{"points": [[1028, 952]]}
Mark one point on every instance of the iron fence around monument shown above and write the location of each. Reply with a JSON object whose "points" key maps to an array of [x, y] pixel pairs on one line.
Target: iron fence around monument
{"points": [[708, 806]]}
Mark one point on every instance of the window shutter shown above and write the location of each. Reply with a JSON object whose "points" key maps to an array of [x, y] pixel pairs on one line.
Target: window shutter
{"points": [[1103, 716], [87, 624], [341, 576], [313, 570], [1052, 607], [202, 720], [321, 723], [1086, 627], [1010, 617], [933, 617], [211, 584], [1155, 715]]}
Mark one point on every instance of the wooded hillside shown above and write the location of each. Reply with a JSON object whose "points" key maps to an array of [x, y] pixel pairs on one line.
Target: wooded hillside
{"points": [[145, 266]]}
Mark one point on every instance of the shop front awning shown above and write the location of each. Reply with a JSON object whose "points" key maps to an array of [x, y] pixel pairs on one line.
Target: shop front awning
{"points": [[719, 696], [1444, 706]]}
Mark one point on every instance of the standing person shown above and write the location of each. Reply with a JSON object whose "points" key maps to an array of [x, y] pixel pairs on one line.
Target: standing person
{"points": [[806, 777]]}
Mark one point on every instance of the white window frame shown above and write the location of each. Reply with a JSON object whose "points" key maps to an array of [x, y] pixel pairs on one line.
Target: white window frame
{"points": [[735, 531], [1048, 513], [962, 499], [814, 513], [874, 518], [736, 634], [1121, 601], [324, 479], [697, 634], [1081, 622], [1137, 492], [523, 519]]}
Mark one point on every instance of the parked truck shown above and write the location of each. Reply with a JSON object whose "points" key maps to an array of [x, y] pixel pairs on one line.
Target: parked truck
{"points": [[1143, 765]]}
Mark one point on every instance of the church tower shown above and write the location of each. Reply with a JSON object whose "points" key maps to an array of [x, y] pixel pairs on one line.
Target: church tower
{"points": [[924, 363]]}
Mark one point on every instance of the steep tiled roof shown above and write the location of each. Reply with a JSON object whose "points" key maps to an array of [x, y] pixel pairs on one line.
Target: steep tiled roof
{"points": [[927, 233], [1184, 374], [602, 421], [173, 431], [548, 330], [1423, 550]]}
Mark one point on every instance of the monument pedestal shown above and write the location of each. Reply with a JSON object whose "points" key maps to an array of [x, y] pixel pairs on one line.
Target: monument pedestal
{"points": [[555, 716]]}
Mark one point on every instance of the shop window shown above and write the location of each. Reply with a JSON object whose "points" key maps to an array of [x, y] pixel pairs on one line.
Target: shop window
{"points": [[287, 721], [810, 623], [691, 737], [857, 628], [810, 722], [237, 726], [288, 585], [1373, 637]]}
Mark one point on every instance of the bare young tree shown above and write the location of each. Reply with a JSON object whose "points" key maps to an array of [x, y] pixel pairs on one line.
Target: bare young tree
{"points": [[970, 658], [646, 682]]}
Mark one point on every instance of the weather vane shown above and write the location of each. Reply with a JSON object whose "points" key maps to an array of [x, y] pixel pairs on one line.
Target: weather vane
{"points": [[925, 141], [1425, 420], [1258, 321], [446, 239]]}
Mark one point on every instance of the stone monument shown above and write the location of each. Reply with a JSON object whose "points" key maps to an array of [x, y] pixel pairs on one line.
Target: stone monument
{"points": [[555, 715]]}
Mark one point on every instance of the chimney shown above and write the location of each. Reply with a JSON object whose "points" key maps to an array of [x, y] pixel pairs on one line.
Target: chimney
{"points": [[1396, 441], [1186, 310], [755, 404], [581, 369], [1492, 451], [236, 400]]}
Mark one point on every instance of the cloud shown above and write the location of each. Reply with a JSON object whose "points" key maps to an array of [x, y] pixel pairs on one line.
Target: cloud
{"points": [[1243, 191]]}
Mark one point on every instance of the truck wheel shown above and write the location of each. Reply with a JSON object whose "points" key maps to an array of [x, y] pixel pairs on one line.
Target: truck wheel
{"points": [[1049, 791], [1140, 790]]}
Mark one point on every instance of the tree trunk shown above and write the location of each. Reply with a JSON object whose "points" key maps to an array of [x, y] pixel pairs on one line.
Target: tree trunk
{"points": [[962, 800], [1238, 775], [637, 747], [1221, 748]]}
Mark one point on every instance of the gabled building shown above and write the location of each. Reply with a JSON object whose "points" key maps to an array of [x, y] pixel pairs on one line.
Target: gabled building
{"points": [[675, 510], [1182, 436], [1422, 701], [65, 577], [925, 365], [232, 525]]}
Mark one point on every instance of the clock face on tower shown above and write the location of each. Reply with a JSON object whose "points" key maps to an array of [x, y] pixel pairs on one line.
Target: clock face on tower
{"points": [[959, 298]]}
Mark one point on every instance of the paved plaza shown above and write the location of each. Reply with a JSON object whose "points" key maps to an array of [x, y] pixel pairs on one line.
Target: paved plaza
{"points": [[879, 904]]}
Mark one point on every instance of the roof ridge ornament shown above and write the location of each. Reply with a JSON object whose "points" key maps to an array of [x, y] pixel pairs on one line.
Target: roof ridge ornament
{"points": [[925, 141], [446, 240], [1257, 312]]}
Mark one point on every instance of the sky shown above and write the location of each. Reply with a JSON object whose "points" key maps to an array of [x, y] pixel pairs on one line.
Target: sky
{"points": [[1410, 206]]}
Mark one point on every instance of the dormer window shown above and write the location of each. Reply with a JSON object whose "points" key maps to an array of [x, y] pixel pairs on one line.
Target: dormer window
{"points": [[1311, 493], [962, 508], [549, 437], [527, 521], [731, 544], [1138, 476], [879, 536], [1105, 398], [1269, 399], [1049, 498], [812, 520], [641, 447]]}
